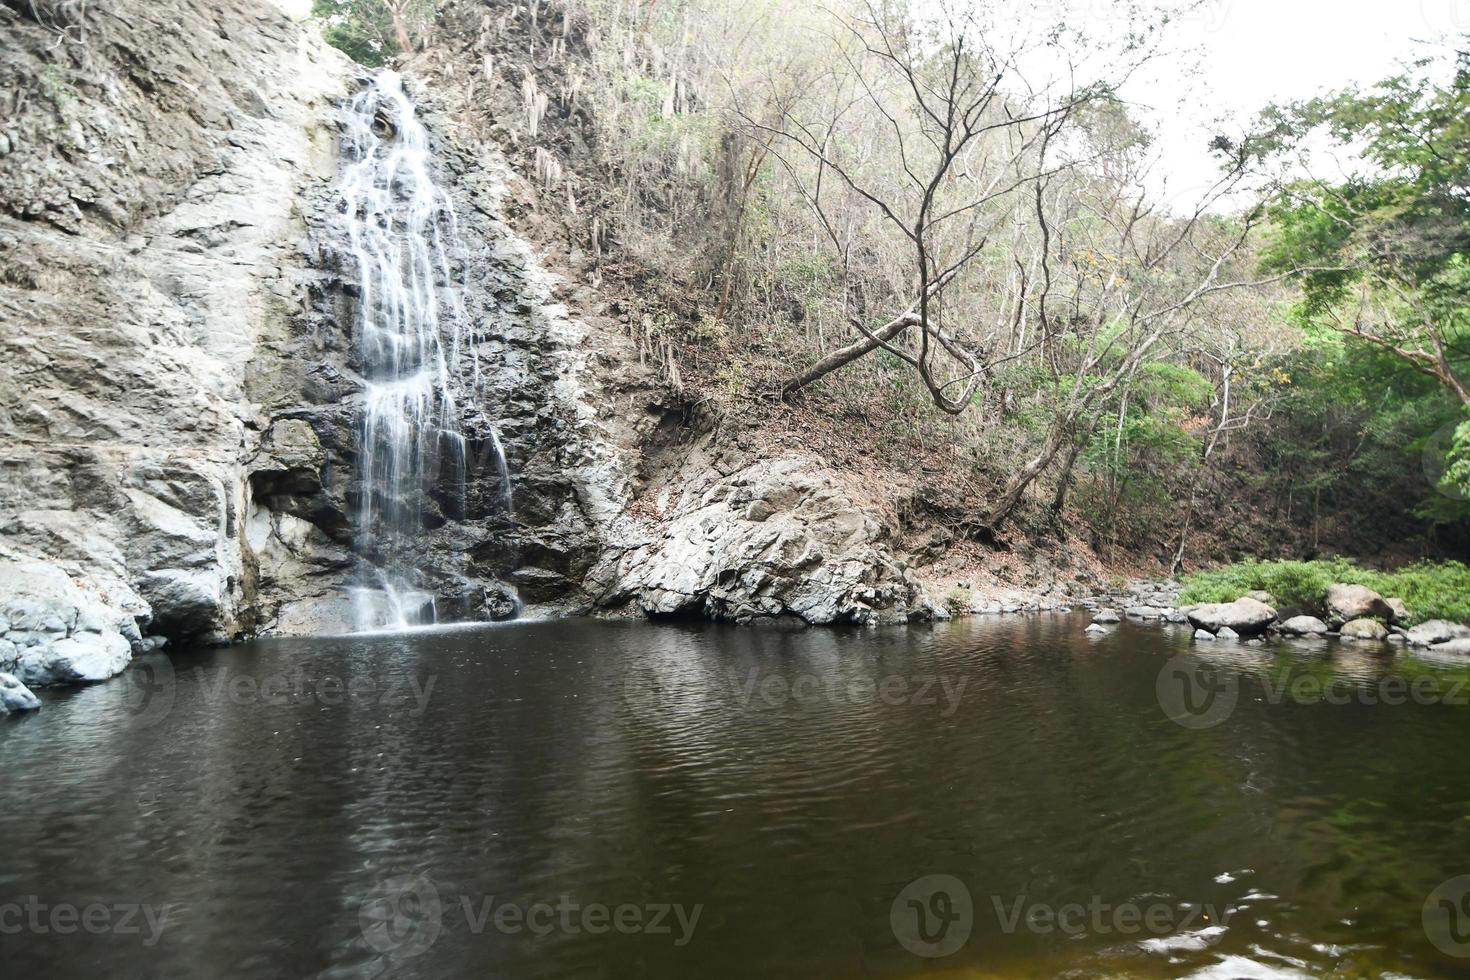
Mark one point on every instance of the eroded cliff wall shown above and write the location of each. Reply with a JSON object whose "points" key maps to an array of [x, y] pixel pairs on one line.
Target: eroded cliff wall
{"points": [[180, 391], [153, 159]]}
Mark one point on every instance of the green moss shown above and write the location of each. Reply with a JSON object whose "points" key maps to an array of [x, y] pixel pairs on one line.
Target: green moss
{"points": [[1430, 590]]}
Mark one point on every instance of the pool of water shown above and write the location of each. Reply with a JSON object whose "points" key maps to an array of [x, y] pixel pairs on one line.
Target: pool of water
{"points": [[996, 798]]}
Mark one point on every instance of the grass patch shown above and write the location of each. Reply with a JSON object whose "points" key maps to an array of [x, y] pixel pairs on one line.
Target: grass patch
{"points": [[1431, 590]]}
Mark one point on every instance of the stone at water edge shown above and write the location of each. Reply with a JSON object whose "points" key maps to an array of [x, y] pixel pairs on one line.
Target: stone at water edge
{"points": [[1245, 616], [15, 696], [55, 632], [1226, 633], [1097, 628], [1364, 629], [1261, 596], [1399, 610], [1204, 636], [1144, 612], [1107, 617], [1302, 626], [1346, 603], [1459, 646], [1436, 631]]}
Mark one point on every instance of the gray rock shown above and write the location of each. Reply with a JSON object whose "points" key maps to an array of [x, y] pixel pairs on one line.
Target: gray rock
{"points": [[1399, 611], [1177, 616], [15, 696], [1364, 629], [1144, 612], [81, 658], [1460, 647], [1204, 636], [1226, 633], [1246, 616], [1107, 617], [1434, 632], [58, 632], [1302, 626], [1261, 596], [1097, 628], [817, 555], [1349, 602]]}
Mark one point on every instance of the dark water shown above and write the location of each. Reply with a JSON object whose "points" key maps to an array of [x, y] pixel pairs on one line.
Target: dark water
{"points": [[563, 799]]}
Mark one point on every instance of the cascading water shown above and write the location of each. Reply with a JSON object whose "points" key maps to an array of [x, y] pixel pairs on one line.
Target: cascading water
{"points": [[413, 352]]}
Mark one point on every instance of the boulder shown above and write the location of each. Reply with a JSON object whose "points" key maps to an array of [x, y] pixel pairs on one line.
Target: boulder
{"points": [[1398, 609], [1302, 626], [1364, 629], [1145, 612], [1261, 596], [1246, 616], [1435, 632], [1107, 617], [57, 632], [15, 696], [1458, 647], [1226, 633], [1204, 636], [820, 554], [1096, 628], [1349, 602]]}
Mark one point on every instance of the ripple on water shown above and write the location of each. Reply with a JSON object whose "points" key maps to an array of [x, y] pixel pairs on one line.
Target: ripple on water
{"points": [[760, 774]]}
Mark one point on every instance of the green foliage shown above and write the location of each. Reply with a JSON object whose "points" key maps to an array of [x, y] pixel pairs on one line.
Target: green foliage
{"points": [[1430, 590], [364, 30], [1384, 251]]}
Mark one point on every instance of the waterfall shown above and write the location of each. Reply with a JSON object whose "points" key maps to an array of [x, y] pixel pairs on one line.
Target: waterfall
{"points": [[413, 353]]}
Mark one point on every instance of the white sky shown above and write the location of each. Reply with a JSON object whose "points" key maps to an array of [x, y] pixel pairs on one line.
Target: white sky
{"points": [[1254, 52]]}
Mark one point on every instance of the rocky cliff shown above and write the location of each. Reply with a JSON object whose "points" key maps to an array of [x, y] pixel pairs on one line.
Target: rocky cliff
{"points": [[153, 160], [179, 389]]}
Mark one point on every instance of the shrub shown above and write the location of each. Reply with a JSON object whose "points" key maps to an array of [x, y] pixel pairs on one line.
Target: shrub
{"points": [[1430, 590]]}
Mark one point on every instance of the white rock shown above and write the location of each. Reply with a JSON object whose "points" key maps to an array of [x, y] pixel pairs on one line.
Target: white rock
{"points": [[1303, 626], [15, 696], [1246, 616]]}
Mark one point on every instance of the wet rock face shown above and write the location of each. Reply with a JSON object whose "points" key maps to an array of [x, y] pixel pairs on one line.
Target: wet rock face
{"points": [[761, 541], [544, 482]]}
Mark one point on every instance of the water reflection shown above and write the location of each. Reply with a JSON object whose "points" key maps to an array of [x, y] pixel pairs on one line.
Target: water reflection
{"points": [[425, 805]]}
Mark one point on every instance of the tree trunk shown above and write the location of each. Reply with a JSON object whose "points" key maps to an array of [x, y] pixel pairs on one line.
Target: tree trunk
{"points": [[400, 30], [850, 353], [1033, 468], [1060, 498]]}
